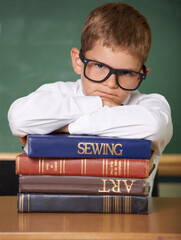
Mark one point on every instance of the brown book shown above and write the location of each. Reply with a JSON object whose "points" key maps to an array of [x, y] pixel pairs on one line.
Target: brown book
{"points": [[83, 185], [98, 167]]}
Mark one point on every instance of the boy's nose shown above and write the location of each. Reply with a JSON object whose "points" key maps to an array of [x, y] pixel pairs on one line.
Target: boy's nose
{"points": [[111, 82]]}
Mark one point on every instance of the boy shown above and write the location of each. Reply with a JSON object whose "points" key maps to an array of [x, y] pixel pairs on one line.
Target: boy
{"points": [[115, 43]]}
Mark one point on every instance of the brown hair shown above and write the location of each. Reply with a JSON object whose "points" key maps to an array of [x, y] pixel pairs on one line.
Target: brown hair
{"points": [[117, 25]]}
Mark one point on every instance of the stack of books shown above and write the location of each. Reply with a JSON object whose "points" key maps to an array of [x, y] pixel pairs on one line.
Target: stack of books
{"points": [[84, 174]]}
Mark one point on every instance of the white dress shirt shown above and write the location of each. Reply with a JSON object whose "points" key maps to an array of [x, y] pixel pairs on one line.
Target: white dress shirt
{"points": [[55, 105]]}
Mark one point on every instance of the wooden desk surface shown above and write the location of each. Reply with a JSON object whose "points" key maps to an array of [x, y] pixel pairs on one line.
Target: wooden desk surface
{"points": [[163, 222]]}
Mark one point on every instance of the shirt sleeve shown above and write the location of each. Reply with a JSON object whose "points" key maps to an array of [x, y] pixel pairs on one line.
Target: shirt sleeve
{"points": [[49, 108], [149, 118]]}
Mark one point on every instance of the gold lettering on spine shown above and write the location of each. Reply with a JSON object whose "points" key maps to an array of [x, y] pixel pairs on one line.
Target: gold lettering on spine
{"points": [[111, 167], [130, 205], [123, 204], [116, 186], [105, 209], [80, 147], [128, 187], [97, 150], [82, 167], [106, 204], [104, 149], [23, 203], [120, 152], [124, 200], [128, 168], [119, 168], [85, 166], [104, 186], [87, 149], [43, 166], [115, 204], [60, 162], [64, 167], [100, 148], [127, 204], [129, 200], [106, 167], [124, 168], [39, 165], [103, 167], [55, 166], [110, 150]]}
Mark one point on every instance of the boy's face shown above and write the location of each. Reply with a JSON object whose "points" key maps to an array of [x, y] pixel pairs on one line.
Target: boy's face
{"points": [[107, 90]]}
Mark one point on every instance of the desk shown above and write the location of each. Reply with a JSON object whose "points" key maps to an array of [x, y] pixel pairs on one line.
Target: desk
{"points": [[163, 223]]}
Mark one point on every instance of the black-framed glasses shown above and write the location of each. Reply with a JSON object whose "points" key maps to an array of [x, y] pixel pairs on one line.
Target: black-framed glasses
{"points": [[99, 72]]}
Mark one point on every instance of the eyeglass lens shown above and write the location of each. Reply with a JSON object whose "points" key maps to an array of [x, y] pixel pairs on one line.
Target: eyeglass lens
{"points": [[98, 72]]}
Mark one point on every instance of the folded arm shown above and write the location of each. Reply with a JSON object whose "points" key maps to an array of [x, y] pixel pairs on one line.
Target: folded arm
{"points": [[149, 118], [48, 109]]}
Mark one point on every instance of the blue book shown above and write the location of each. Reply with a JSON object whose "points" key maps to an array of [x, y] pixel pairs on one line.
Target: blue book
{"points": [[86, 146], [77, 203]]}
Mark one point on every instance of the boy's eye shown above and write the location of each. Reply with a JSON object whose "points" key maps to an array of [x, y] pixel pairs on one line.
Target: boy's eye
{"points": [[100, 66], [124, 73]]}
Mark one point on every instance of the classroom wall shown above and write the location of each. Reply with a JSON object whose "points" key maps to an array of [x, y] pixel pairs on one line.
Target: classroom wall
{"points": [[36, 38]]}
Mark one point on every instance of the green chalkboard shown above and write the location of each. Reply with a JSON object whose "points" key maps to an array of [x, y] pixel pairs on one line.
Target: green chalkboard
{"points": [[36, 37]]}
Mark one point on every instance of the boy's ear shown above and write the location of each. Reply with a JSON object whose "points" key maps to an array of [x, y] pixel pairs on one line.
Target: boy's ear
{"points": [[76, 62], [147, 70]]}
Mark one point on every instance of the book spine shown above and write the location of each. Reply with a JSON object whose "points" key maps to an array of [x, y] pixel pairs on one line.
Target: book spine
{"points": [[83, 185], [134, 168], [74, 203], [87, 147]]}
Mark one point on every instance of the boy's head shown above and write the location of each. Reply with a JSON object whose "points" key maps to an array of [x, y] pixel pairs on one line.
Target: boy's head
{"points": [[116, 40], [117, 25]]}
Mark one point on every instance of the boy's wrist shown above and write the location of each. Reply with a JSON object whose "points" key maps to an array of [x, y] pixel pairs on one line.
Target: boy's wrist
{"points": [[106, 102]]}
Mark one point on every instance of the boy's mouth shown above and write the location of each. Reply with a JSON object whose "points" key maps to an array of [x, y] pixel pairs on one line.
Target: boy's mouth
{"points": [[105, 94]]}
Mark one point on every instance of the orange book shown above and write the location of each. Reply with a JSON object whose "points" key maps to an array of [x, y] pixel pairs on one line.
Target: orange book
{"points": [[130, 168]]}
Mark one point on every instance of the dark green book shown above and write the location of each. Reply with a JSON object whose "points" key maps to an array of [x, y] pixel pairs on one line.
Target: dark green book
{"points": [[77, 203]]}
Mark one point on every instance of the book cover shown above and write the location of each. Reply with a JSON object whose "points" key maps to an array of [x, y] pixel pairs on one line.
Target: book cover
{"points": [[99, 167], [86, 146], [83, 185], [76, 203]]}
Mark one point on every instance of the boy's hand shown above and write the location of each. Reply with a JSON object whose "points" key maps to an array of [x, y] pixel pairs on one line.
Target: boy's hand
{"points": [[62, 130], [22, 140], [108, 103]]}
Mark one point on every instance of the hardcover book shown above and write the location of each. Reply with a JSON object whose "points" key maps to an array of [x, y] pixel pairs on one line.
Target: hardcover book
{"points": [[108, 167], [83, 185], [86, 146], [76, 203]]}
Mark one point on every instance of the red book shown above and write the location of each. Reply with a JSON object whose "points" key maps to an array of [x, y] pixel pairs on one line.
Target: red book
{"points": [[130, 168]]}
